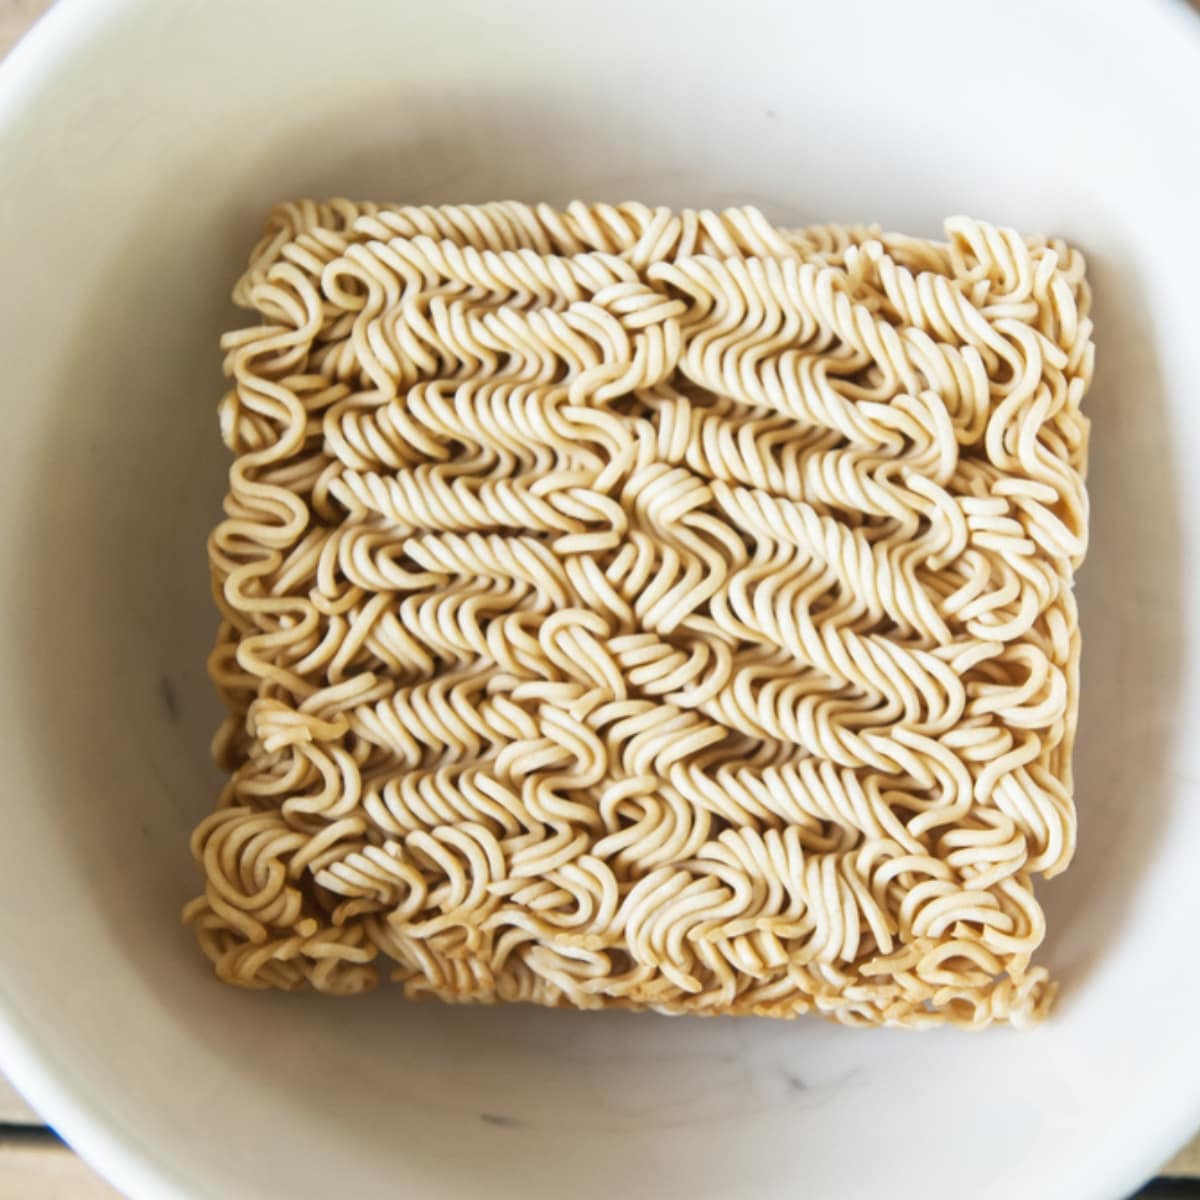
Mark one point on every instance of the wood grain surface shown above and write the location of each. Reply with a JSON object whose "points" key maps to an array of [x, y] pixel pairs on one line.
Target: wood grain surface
{"points": [[36, 1166]]}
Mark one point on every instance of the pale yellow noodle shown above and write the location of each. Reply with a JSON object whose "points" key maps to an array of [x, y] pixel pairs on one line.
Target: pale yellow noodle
{"points": [[627, 607]]}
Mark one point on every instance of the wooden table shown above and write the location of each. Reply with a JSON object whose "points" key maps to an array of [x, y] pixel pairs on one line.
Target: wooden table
{"points": [[34, 1164]]}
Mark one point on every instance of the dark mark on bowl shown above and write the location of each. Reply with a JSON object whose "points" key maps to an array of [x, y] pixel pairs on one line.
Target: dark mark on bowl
{"points": [[501, 1119], [169, 698]]}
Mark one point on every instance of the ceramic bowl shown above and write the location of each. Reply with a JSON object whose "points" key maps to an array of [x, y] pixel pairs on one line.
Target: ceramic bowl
{"points": [[141, 143]]}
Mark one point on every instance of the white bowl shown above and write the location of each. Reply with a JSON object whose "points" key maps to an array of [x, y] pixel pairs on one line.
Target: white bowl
{"points": [[141, 142]]}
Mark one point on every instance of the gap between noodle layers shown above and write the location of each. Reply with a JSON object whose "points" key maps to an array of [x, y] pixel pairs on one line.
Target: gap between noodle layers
{"points": [[648, 609]]}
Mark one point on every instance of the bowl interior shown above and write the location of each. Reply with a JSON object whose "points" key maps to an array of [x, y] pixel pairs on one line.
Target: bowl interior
{"points": [[143, 142]]}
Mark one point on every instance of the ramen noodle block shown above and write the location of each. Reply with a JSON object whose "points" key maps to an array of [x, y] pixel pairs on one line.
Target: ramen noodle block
{"points": [[623, 607]]}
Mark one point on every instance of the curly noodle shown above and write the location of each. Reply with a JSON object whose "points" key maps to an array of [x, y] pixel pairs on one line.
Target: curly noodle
{"points": [[623, 607]]}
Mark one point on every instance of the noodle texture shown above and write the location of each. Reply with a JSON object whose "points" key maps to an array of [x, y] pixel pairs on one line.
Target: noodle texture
{"points": [[633, 608]]}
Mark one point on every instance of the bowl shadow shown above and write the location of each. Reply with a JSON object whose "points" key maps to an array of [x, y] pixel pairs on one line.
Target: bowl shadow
{"points": [[1135, 642]]}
